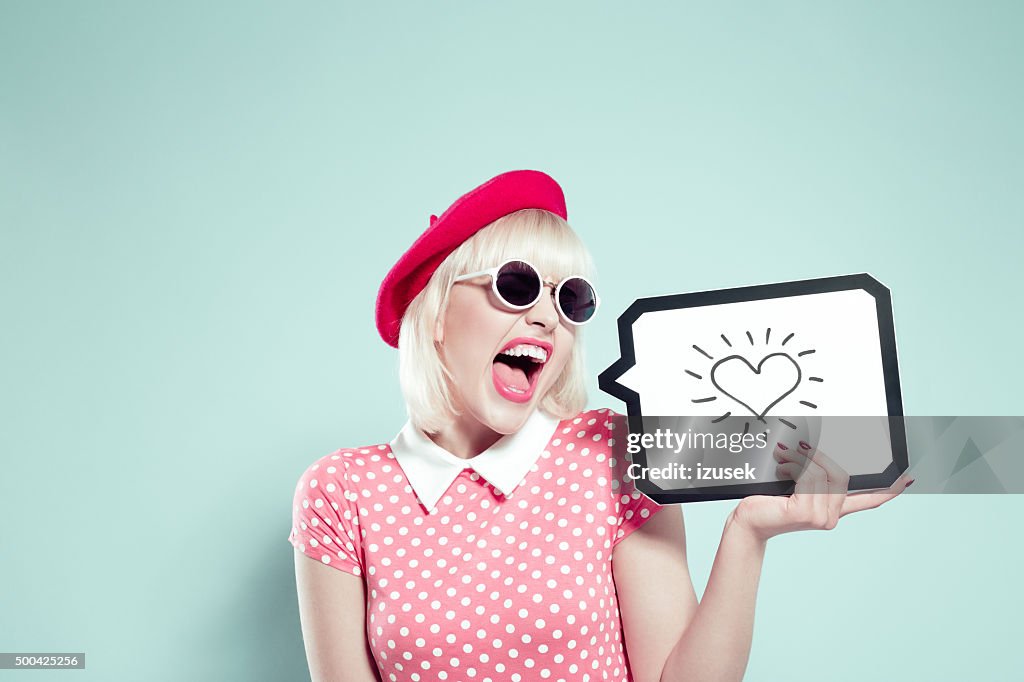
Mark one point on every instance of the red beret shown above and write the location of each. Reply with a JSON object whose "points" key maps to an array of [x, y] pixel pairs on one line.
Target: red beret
{"points": [[478, 208]]}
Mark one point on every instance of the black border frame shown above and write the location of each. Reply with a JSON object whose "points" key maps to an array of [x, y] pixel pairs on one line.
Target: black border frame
{"points": [[608, 379]]}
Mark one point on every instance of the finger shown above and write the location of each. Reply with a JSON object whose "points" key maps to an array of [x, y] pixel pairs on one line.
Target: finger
{"points": [[862, 501], [802, 500], [806, 477], [833, 470], [903, 482], [789, 470], [809, 497], [784, 454], [838, 481], [821, 496], [792, 466], [822, 501]]}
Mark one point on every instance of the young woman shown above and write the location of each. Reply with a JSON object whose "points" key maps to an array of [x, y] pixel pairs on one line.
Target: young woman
{"points": [[498, 537]]}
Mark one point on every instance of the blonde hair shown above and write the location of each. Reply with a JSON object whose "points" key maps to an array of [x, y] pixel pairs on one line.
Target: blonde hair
{"points": [[535, 235]]}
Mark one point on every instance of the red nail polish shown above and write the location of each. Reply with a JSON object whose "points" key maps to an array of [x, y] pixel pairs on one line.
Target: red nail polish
{"points": [[781, 446], [804, 445], [909, 483]]}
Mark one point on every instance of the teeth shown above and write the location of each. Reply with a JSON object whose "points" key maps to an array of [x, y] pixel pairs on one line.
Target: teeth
{"points": [[535, 353]]}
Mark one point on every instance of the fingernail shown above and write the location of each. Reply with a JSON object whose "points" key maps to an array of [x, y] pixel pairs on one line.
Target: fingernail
{"points": [[804, 445], [909, 483], [781, 446]]}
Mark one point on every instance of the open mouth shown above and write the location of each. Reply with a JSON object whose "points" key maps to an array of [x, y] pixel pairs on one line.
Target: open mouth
{"points": [[516, 368]]}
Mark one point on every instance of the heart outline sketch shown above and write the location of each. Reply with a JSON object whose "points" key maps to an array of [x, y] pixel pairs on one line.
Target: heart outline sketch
{"points": [[757, 371]]}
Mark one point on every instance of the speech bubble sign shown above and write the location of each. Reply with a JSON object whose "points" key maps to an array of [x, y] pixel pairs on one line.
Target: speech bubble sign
{"points": [[806, 361]]}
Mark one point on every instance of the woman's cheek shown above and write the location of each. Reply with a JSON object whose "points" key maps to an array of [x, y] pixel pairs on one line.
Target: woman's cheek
{"points": [[559, 368]]}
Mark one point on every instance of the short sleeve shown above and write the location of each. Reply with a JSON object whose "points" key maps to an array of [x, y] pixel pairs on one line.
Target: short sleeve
{"points": [[632, 508], [325, 522]]}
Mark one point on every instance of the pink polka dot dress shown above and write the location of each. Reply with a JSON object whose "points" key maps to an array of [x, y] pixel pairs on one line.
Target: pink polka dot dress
{"points": [[497, 567]]}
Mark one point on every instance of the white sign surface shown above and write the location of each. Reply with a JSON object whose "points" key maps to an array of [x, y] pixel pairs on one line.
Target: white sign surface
{"points": [[795, 360]]}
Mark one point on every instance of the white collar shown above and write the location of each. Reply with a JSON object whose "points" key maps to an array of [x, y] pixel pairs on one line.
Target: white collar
{"points": [[431, 469]]}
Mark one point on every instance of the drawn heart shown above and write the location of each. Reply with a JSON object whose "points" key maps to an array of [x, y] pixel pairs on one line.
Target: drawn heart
{"points": [[760, 388]]}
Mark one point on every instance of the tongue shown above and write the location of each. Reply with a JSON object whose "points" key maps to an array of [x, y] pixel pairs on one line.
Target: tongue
{"points": [[511, 376]]}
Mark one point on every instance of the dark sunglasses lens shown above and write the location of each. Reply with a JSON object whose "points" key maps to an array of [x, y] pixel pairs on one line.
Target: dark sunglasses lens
{"points": [[518, 283], [577, 299]]}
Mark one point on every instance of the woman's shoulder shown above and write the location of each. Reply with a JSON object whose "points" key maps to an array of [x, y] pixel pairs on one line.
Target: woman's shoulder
{"points": [[598, 421], [333, 468], [597, 414]]}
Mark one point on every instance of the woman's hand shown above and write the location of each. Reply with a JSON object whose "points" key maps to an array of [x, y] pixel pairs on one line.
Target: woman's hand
{"points": [[819, 501]]}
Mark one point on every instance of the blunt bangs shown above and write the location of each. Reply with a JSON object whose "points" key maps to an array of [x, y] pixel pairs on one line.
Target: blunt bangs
{"points": [[542, 238]]}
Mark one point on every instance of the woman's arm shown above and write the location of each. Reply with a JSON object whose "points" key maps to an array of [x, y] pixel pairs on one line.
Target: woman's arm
{"points": [[669, 636], [332, 608], [714, 641], [654, 590]]}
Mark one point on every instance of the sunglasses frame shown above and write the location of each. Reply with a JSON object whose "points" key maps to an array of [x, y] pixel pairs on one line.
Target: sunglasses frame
{"points": [[556, 289]]}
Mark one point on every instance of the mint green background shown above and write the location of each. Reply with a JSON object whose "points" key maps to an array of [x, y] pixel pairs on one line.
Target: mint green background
{"points": [[198, 200]]}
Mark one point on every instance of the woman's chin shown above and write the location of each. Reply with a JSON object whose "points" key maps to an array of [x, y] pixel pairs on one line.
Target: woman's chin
{"points": [[507, 416]]}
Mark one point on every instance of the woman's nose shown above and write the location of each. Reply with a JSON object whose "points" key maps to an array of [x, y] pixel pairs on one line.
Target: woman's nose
{"points": [[543, 313]]}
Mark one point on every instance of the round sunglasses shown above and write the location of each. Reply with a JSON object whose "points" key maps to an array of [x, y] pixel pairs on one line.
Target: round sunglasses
{"points": [[518, 285]]}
